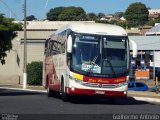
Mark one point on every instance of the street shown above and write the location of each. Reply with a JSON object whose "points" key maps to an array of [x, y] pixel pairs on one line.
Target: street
{"points": [[27, 102]]}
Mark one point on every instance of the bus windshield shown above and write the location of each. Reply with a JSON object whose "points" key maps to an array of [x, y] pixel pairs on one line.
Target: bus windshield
{"points": [[100, 55]]}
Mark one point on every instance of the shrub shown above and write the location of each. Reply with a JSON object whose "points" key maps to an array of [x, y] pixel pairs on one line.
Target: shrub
{"points": [[34, 73]]}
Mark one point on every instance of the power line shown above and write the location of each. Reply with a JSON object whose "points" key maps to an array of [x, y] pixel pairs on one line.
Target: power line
{"points": [[9, 9], [46, 3]]}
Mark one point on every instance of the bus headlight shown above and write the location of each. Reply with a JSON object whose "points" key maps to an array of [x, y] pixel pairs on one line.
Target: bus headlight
{"points": [[76, 80], [122, 84]]}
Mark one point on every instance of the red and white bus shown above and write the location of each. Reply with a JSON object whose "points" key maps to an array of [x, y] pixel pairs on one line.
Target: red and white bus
{"points": [[88, 59]]}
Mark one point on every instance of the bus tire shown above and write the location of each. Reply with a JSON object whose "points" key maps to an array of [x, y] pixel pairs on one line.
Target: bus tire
{"points": [[64, 95]]}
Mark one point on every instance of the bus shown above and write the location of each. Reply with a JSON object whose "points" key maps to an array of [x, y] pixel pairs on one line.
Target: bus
{"points": [[88, 59]]}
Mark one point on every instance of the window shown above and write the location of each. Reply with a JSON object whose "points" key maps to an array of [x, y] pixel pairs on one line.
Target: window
{"points": [[139, 85], [46, 48], [131, 85], [55, 47]]}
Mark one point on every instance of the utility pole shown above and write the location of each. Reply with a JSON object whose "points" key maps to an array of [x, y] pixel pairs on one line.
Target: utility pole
{"points": [[154, 65], [25, 49]]}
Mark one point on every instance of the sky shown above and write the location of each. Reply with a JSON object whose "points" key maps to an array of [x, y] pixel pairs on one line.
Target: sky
{"points": [[38, 8]]}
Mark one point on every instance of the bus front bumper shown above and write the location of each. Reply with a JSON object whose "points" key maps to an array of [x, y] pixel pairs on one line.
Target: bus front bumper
{"points": [[107, 93]]}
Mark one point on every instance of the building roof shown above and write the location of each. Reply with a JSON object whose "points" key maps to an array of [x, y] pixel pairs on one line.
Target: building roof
{"points": [[46, 25], [34, 34], [133, 31], [154, 30], [146, 42]]}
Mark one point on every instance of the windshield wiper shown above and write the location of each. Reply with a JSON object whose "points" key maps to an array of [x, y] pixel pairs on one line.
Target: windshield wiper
{"points": [[110, 64]]}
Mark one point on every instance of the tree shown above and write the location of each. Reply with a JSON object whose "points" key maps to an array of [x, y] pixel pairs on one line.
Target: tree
{"points": [[72, 14], [31, 18], [152, 22], [118, 15], [100, 15], [91, 16], [66, 14], [53, 14], [7, 33], [123, 24], [136, 14]]}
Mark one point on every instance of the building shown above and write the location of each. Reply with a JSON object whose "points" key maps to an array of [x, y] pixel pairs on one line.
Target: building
{"points": [[107, 18], [154, 31], [148, 55], [154, 13]]}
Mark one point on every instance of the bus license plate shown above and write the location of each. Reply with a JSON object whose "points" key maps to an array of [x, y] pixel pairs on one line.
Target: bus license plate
{"points": [[100, 92]]}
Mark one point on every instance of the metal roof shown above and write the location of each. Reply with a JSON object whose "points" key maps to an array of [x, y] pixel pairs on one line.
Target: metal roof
{"points": [[46, 25], [154, 30], [146, 42], [35, 34]]}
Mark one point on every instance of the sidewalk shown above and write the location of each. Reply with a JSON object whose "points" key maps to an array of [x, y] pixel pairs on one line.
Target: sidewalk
{"points": [[21, 86], [145, 94]]}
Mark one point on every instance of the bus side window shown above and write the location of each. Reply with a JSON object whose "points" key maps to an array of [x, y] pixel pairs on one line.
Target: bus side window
{"points": [[53, 49], [46, 47], [63, 47], [49, 48]]}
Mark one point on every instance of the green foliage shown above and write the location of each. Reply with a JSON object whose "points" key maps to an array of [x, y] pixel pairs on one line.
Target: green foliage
{"points": [[100, 15], [66, 14], [7, 33], [152, 22], [34, 73], [31, 18], [91, 16], [53, 14], [118, 15], [123, 24], [136, 14]]}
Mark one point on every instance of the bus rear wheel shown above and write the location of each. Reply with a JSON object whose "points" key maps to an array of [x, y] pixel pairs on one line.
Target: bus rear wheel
{"points": [[49, 92]]}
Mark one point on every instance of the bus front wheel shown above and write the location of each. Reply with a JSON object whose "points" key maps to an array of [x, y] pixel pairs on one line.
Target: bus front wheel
{"points": [[64, 95]]}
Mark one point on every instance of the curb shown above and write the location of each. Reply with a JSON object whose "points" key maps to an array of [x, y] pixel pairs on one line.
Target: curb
{"points": [[42, 91], [147, 99]]}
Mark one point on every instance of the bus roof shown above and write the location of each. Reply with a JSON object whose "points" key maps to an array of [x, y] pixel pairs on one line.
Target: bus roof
{"points": [[94, 28]]}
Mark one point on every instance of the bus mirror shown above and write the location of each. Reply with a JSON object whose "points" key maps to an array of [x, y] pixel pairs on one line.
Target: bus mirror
{"points": [[69, 44], [134, 47]]}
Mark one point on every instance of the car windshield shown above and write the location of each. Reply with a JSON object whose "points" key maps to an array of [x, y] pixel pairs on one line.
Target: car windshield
{"points": [[103, 55]]}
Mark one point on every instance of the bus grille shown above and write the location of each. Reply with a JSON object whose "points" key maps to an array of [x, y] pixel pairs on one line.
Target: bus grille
{"points": [[97, 85]]}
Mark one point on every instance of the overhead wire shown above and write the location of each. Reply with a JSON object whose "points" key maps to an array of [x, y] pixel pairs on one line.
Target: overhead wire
{"points": [[9, 9]]}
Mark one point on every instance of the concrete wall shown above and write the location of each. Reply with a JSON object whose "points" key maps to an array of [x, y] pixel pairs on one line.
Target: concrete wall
{"points": [[12, 71]]}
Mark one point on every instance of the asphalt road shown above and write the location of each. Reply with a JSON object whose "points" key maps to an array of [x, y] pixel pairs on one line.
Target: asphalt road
{"points": [[26, 102]]}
